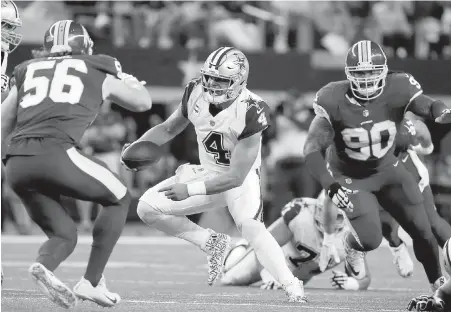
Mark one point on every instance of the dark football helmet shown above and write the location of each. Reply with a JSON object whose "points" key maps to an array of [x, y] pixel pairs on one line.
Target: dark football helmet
{"points": [[68, 36], [366, 69]]}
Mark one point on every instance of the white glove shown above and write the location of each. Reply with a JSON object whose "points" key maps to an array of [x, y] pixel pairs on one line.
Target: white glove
{"points": [[340, 196], [341, 280], [271, 285], [328, 253]]}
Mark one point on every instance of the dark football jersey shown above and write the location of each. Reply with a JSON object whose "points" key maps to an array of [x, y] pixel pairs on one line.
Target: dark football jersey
{"points": [[59, 97], [365, 133]]}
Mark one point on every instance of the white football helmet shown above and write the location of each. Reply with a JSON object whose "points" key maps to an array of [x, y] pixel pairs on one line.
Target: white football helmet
{"points": [[224, 75], [10, 22], [319, 208]]}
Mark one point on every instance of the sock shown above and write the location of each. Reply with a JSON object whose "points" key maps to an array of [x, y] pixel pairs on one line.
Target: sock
{"points": [[268, 251], [56, 250], [107, 229]]}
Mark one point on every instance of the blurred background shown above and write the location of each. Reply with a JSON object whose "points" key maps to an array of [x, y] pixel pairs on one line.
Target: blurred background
{"points": [[294, 48]]}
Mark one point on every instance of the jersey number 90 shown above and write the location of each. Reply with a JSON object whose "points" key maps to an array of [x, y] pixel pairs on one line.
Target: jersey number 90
{"points": [[361, 144], [62, 88]]}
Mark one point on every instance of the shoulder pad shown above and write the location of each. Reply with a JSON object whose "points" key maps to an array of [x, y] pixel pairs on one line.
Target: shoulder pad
{"points": [[325, 103], [257, 116], [106, 64], [406, 85], [293, 208], [187, 94]]}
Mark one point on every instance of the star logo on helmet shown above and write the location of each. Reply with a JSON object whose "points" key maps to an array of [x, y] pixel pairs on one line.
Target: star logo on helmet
{"points": [[240, 61]]}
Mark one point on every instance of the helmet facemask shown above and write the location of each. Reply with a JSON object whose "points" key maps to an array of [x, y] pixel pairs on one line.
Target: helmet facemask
{"points": [[219, 89], [367, 82], [9, 36]]}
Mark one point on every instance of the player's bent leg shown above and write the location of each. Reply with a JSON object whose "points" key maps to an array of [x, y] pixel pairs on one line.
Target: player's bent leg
{"points": [[404, 202], [246, 207], [365, 234], [440, 228], [398, 248], [168, 216]]}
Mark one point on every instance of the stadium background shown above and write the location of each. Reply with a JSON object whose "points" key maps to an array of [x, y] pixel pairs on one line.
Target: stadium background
{"points": [[294, 48]]}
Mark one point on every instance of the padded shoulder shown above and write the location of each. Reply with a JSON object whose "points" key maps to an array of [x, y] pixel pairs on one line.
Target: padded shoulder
{"points": [[187, 94], [257, 116], [326, 99]]}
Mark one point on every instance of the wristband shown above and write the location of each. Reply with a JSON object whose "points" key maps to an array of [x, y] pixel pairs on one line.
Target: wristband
{"points": [[197, 188]]}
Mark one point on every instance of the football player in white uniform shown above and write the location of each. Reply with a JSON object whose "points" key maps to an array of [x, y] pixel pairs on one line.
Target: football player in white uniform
{"points": [[10, 39], [300, 231], [228, 120]]}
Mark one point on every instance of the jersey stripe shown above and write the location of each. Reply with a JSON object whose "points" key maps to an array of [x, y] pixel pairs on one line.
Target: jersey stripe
{"points": [[101, 174]]}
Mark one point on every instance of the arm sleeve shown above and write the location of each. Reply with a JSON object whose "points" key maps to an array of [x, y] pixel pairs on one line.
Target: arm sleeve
{"points": [[290, 211], [411, 88], [257, 119], [109, 65]]}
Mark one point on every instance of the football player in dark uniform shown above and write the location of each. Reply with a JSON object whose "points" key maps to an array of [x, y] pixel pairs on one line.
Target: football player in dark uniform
{"points": [[56, 97], [412, 140], [359, 118]]}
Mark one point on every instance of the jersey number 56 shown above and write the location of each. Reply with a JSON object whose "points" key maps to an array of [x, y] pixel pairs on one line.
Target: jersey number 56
{"points": [[53, 88]]}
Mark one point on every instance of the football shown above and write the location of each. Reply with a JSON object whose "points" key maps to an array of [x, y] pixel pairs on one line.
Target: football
{"points": [[142, 154]]}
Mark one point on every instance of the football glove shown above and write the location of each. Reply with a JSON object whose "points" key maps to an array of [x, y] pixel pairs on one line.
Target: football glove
{"points": [[426, 303], [341, 280], [445, 117], [126, 145], [340, 196], [5, 82], [271, 285], [329, 252]]}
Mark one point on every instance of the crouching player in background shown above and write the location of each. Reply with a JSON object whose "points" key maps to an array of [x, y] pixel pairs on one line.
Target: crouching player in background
{"points": [[301, 232]]}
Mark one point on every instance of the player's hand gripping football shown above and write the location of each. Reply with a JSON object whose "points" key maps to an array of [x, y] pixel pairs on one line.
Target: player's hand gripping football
{"points": [[340, 196], [426, 303], [176, 192], [122, 153], [329, 252], [445, 117]]}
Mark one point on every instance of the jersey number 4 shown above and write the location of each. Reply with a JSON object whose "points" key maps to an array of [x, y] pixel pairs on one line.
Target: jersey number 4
{"points": [[361, 143], [214, 144], [62, 88]]}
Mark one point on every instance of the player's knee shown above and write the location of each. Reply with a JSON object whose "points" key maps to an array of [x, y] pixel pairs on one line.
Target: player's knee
{"points": [[68, 234], [148, 213], [371, 242], [251, 229]]}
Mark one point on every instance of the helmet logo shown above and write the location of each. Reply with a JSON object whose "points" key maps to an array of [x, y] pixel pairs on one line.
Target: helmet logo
{"points": [[239, 61]]}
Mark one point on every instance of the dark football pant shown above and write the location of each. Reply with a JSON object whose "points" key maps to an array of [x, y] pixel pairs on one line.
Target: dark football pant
{"points": [[396, 190], [440, 227], [41, 180]]}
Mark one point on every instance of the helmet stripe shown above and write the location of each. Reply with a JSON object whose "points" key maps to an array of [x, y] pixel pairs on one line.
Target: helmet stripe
{"points": [[55, 32], [212, 60], [221, 57], [16, 11], [359, 51], [66, 32], [368, 50], [61, 39], [364, 52]]}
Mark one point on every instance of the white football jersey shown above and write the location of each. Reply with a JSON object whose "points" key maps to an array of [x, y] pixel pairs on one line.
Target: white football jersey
{"points": [[5, 79], [302, 253], [218, 135]]}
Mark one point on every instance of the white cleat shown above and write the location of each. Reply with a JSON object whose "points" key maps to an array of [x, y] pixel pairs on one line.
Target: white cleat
{"points": [[355, 262], [402, 260], [439, 282], [99, 294], [52, 287], [217, 247], [295, 291]]}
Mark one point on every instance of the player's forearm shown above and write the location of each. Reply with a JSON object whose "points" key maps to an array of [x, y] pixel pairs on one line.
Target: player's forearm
{"points": [[128, 93], [222, 183], [319, 137], [425, 106], [158, 135]]}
